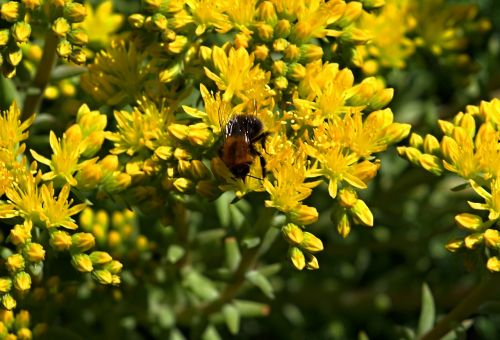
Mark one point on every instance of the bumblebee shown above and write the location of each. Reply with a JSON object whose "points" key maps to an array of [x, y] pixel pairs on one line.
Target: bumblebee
{"points": [[238, 151]]}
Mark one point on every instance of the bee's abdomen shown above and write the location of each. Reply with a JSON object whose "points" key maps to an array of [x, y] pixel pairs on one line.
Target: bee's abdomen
{"points": [[236, 150]]}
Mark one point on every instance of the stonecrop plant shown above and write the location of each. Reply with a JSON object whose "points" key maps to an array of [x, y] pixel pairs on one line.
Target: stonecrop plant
{"points": [[185, 168]]}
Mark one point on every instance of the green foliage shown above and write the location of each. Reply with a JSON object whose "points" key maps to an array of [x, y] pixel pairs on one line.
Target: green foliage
{"points": [[123, 211]]}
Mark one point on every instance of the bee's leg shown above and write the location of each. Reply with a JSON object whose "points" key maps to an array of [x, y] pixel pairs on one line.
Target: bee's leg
{"points": [[262, 165]]}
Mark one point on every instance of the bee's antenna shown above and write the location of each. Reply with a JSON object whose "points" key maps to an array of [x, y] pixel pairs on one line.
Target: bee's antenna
{"points": [[255, 177]]}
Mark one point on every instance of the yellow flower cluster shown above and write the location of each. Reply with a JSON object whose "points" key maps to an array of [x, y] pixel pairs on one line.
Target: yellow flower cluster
{"points": [[324, 134], [469, 149], [442, 29], [38, 205], [61, 16], [15, 326], [119, 233], [326, 128]]}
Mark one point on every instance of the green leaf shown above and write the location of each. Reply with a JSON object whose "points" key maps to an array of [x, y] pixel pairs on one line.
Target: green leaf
{"points": [[251, 309], [200, 286], [260, 281], [175, 253], [210, 333], [427, 312], [233, 254], [8, 93], [251, 242], [232, 318], [67, 71]]}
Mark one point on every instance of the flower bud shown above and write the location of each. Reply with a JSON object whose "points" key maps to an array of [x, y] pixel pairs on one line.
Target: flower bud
{"points": [[10, 11], [453, 245], [114, 267], [241, 40], [61, 27], [293, 234], [261, 52], [265, 32], [78, 57], [312, 262], [199, 170], [5, 284], [354, 35], [136, 20], [22, 281], [14, 56], [493, 264], [82, 241], [468, 221], [159, 22], [297, 72], [78, 37], [22, 319], [4, 37], [168, 35], [60, 240], [292, 53], [179, 131], [311, 243], [347, 197], [267, 12], [169, 74], [82, 263], [473, 240], [178, 45], [280, 44], [279, 67], [492, 238], [20, 234], [431, 145], [15, 263], [34, 252], [102, 276], [282, 28], [352, 12], [416, 141], [310, 53], [74, 12], [64, 49], [303, 215], [362, 213], [31, 5], [208, 189], [21, 31], [100, 257], [297, 258], [281, 82], [8, 302], [24, 333], [153, 5], [183, 185], [432, 164], [89, 176], [200, 135]]}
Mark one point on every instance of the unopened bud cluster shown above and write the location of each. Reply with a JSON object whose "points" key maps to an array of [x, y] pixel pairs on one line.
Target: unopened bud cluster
{"points": [[16, 17]]}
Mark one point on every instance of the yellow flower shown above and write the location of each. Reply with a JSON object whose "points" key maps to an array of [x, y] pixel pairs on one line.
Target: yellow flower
{"points": [[146, 127], [66, 153], [118, 75], [101, 23], [236, 75], [206, 13], [57, 212], [12, 133], [288, 166], [492, 199], [389, 46]]}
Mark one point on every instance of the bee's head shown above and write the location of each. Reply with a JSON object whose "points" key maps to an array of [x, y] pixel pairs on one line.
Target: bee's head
{"points": [[240, 170]]}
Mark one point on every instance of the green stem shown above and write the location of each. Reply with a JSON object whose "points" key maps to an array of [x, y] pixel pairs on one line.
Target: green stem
{"points": [[248, 260], [469, 305], [42, 77]]}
